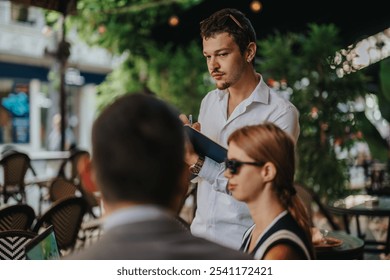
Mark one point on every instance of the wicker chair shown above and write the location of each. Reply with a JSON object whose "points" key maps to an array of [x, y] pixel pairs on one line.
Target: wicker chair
{"points": [[61, 188], [69, 171], [68, 168], [15, 166], [16, 217], [12, 244], [66, 216]]}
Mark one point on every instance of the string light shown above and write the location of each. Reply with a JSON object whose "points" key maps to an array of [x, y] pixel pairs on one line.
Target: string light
{"points": [[256, 6], [102, 29], [173, 21]]}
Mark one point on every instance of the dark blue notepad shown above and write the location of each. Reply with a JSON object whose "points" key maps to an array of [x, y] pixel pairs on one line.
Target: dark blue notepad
{"points": [[204, 146]]}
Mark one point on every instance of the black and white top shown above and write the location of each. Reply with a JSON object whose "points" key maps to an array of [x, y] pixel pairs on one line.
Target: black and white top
{"points": [[283, 229]]}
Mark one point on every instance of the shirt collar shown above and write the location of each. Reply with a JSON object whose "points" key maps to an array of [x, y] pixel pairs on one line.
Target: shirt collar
{"points": [[260, 93], [134, 214]]}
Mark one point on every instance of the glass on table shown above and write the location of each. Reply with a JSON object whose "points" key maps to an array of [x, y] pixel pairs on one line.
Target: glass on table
{"points": [[324, 233]]}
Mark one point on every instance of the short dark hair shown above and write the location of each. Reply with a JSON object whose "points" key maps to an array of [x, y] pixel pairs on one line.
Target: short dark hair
{"points": [[231, 21], [138, 150]]}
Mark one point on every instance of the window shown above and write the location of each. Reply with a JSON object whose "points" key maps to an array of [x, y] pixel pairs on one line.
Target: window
{"points": [[14, 111]]}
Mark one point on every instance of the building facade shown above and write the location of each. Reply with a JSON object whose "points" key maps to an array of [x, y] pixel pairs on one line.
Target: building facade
{"points": [[29, 80]]}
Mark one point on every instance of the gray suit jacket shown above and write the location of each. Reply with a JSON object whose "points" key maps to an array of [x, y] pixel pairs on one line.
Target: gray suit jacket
{"points": [[162, 239]]}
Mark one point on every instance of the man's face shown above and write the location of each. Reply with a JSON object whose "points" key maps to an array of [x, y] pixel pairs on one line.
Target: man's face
{"points": [[224, 60]]}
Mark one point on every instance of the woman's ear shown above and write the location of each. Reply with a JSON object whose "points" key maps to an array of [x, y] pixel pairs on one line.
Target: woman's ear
{"points": [[268, 171]]}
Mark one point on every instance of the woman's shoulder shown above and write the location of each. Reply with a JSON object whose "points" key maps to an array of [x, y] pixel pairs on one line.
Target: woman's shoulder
{"points": [[283, 251]]}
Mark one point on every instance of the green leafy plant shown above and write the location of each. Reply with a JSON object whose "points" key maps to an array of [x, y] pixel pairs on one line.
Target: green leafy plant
{"points": [[303, 62], [177, 75], [124, 27], [298, 65]]}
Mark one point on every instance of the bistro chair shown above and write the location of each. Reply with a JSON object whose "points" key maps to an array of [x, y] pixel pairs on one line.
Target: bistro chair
{"points": [[16, 217], [12, 244], [68, 168], [66, 216], [351, 247], [375, 212], [57, 188], [61, 188], [15, 166], [92, 201]]}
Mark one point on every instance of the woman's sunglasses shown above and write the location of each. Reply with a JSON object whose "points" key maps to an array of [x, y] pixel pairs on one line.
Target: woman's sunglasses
{"points": [[234, 165]]}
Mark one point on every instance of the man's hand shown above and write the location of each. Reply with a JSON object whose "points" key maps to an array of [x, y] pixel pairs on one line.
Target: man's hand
{"points": [[191, 156], [186, 121]]}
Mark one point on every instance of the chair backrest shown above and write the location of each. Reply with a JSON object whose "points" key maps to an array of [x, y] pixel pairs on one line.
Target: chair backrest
{"points": [[66, 216], [12, 244], [15, 166], [70, 171], [309, 197], [68, 168], [61, 188], [16, 217], [92, 202]]}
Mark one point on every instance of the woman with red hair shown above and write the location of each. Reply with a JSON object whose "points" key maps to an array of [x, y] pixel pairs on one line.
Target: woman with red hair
{"points": [[260, 169]]}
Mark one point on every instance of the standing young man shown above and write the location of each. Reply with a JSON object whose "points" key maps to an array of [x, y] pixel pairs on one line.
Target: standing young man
{"points": [[241, 98]]}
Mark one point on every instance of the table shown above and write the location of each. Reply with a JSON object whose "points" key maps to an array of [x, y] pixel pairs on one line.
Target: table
{"points": [[49, 155], [364, 205], [352, 248]]}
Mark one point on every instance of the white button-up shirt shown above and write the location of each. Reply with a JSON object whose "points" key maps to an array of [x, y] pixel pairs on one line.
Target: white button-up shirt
{"points": [[219, 217]]}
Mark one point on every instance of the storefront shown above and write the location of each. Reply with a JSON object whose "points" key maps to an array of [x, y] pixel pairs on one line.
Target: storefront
{"points": [[28, 102]]}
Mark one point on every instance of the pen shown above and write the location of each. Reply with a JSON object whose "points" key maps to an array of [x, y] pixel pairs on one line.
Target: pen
{"points": [[190, 119]]}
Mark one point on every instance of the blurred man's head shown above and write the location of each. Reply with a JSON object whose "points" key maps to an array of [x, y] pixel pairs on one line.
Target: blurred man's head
{"points": [[138, 151]]}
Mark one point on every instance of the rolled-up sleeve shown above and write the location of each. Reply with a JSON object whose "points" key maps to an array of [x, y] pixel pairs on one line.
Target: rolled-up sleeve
{"points": [[212, 172]]}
